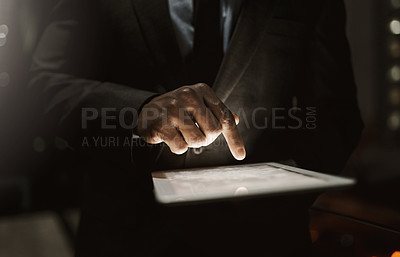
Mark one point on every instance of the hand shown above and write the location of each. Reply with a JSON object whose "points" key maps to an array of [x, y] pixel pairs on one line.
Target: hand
{"points": [[190, 116]]}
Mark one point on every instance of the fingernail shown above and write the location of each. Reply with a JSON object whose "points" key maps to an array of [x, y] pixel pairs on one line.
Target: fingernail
{"points": [[237, 120], [241, 152]]}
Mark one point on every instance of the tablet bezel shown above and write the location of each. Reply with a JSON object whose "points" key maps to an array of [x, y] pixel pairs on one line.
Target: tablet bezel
{"points": [[332, 182]]}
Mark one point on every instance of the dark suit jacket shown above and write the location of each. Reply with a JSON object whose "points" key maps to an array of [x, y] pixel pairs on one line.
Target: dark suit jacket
{"points": [[118, 54]]}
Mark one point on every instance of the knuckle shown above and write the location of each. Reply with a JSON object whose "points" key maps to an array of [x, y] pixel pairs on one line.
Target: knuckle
{"points": [[193, 106], [198, 139], [213, 126], [163, 134], [211, 138], [154, 135], [227, 119], [172, 103], [151, 137], [186, 92], [216, 130], [182, 144], [179, 148], [227, 122], [203, 86]]}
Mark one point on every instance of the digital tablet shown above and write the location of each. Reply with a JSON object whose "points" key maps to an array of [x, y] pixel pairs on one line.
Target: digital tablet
{"points": [[229, 182]]}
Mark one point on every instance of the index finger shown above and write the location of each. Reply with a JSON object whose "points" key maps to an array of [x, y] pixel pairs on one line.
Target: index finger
{"points": [[229, 127]]}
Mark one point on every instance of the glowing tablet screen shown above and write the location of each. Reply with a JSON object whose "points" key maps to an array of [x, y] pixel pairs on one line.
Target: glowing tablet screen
{"points": [[233, 181]]}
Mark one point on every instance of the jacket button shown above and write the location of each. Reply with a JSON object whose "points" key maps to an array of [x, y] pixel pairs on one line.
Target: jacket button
{"points": [[198, 151]]}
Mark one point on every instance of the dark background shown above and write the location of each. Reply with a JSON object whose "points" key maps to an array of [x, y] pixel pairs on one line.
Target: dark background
{"points": [[31, 183]]}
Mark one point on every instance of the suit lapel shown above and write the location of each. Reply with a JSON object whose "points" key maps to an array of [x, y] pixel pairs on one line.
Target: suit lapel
{"points": [[159, 34], [243, 46]]}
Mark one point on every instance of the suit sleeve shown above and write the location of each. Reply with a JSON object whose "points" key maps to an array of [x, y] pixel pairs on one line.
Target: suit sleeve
{"points": [[331, 92], [70, 99]]}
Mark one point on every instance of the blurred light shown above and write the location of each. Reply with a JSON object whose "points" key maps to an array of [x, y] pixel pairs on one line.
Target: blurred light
{"points": [[3, 39], [394, 96], [394, 121], [394, 48], [395, 73], [395, 3], [4, 79], [3, 34], [39, 145], [396, 254], [4, 29], [395, 27]]}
